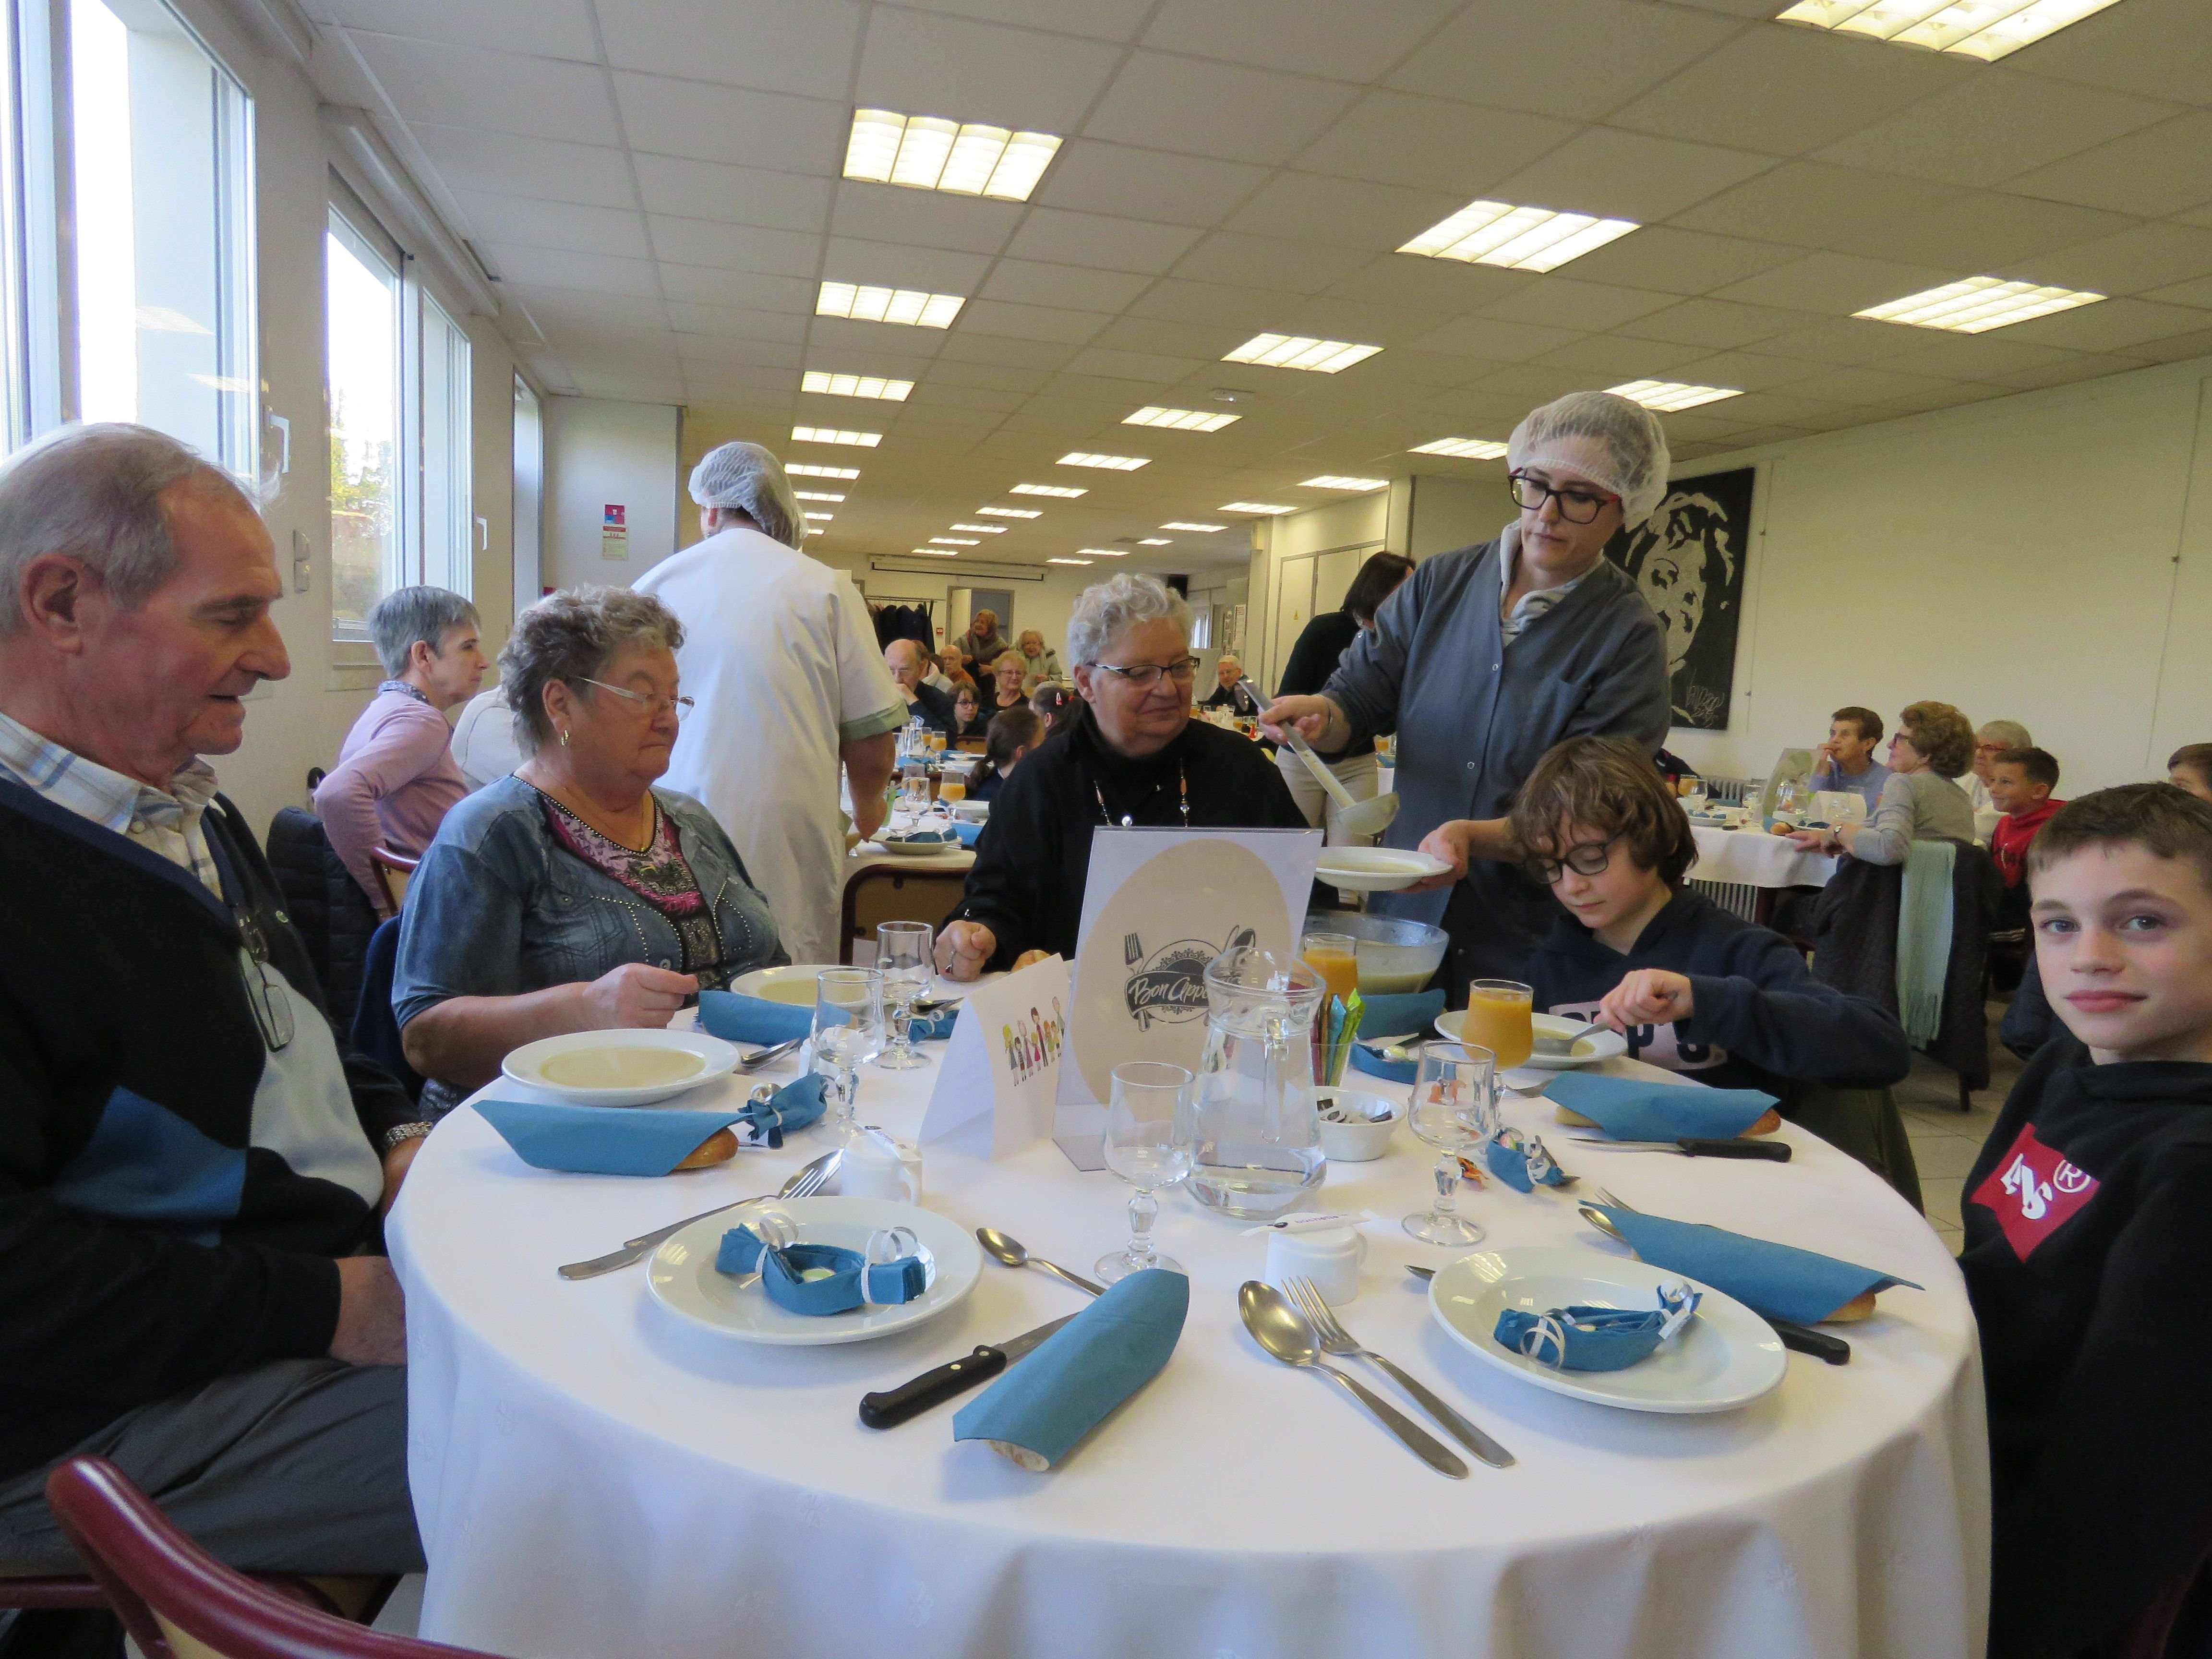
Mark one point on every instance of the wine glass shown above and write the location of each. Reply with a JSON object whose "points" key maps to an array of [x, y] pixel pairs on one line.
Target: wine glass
{"points": [[903, 958], [1148, 1145], [1454, 1086], [848, 1033]]}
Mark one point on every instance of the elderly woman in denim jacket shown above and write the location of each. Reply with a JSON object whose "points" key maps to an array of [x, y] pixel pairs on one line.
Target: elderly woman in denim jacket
{"points": [[572, 895]]}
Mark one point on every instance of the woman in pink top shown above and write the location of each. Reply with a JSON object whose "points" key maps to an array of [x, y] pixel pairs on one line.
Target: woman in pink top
{"points": [[395, 779]]}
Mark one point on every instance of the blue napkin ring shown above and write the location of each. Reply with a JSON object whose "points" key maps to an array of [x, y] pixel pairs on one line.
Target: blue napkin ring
{"points": [[1580, 1339], [1522, 1161], [819, 1279]]}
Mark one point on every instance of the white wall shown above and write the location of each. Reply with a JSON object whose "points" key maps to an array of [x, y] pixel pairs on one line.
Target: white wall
{"points": [[1286, 552], [1450, 511], [596, 452]]}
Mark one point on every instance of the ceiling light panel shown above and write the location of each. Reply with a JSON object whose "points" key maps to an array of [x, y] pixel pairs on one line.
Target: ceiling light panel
{"points": [[888, 305], [936, 552], [1010, 513], [808, 470], [855, 385], [822, 518], [1154, 541], [1267, 507], [1179, 420], [1337, 481], [1300, 351], [1090, 553], [1978, 305], [1517, 238], [1047, 490], [1111, 463], [1058, 561], [928, 152], [1465, 449], [986, 529], [1987, 29], [830, 434], [956, 541], [1668, 396], [1185, 524]]}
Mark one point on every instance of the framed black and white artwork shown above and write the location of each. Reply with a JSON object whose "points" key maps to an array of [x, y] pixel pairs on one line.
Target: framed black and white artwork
{"points": [[1688, 560]]}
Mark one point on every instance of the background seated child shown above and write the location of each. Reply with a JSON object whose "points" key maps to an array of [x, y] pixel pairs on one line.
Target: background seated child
{"points": [[2021, 784], [2088, 1233], [1694, 988]]}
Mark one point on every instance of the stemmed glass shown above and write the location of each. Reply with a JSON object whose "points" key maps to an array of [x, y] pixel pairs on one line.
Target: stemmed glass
{"points": [[1148, 1145], [904, 959], [1455, 1087], [848, 1033]]}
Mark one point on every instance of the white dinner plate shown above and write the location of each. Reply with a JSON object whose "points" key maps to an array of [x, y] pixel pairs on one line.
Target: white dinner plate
{"points": [[920, 849], [1375, 869], [1726, 1357], [586, 1068], [1592, 1044], [794, 984], [682, 1277]]}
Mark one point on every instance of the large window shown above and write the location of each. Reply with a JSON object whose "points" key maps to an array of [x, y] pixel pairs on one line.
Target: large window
{"points": [[449, 530], [529, 494], [369, 546]]}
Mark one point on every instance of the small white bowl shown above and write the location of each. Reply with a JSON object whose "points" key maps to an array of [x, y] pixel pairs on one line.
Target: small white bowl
{"points": [[1360, 1142]]}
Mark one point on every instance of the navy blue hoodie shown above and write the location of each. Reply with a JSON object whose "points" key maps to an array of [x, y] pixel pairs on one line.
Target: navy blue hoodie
{"points": [[1761, 1018]]}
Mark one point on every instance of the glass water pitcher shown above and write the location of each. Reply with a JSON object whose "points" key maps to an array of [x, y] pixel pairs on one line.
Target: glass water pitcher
{"points": [[1257, 1145]]}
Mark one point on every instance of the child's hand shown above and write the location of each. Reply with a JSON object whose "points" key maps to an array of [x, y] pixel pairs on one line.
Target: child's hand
{"points": [[1650, 996]]}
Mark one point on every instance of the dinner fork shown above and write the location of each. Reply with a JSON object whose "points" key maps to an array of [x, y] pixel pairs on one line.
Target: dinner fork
{"points": [[804, 1184], [1335, 1339]]}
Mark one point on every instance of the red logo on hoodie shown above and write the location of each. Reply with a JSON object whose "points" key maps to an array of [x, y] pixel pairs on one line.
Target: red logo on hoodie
{"points": [[2033, 1191]]}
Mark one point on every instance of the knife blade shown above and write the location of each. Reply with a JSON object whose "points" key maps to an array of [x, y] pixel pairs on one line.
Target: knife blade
{"points": [[1774, 1152], [933, 1387]]}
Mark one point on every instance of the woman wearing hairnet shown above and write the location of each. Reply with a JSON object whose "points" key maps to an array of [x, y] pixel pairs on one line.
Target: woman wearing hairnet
{"points": [[781, 659], [1488, 655]]}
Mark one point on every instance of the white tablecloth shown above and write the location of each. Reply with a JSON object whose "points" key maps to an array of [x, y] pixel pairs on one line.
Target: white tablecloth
{"points": [[1752, 857], [594, 1477]]}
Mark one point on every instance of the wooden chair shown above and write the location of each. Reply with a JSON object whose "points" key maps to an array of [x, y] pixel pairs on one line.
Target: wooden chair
{"points": [[393, 871], [884, 893], [178, 1602]]}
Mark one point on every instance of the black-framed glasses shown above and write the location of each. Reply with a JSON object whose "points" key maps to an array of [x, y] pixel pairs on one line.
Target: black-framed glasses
{"points": [[1144, 674], [1591, 858], [264, 994], [652, 706], [1576, 506]]}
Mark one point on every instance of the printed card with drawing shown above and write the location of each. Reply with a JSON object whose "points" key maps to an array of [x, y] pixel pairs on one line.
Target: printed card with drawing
{"points": [[1003, 1058]]}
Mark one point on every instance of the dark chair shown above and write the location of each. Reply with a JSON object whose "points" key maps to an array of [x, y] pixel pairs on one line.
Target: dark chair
{"points": [[323, 903], [393, 871], [884, 893], [375, 1028], [1864, 1123]]}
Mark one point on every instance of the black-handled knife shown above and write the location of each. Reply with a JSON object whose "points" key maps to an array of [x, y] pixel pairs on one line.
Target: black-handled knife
{"points": [[933, 1387], [1774, 1152], [1819, 1344]]}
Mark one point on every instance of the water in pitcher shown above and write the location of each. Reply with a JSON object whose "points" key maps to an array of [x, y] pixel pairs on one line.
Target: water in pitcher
{"points": [[1255, 1143]]}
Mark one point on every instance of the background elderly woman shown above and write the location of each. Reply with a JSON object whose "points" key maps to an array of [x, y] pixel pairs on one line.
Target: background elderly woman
{"points": [[1008, 672], [1933, 744], [396, 780], [572, 895], [1039, 660], [1490, 655], [982, 642], [1992, 740], [1133, 755]]}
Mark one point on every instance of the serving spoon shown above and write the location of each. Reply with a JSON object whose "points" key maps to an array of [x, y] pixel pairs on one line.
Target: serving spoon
{"points": [[1358, 818]]}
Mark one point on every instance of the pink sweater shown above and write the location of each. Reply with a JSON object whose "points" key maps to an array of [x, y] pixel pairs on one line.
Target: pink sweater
{"points": [[393, 785]]}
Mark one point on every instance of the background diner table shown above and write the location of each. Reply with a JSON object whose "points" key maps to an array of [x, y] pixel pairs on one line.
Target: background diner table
{"points": [[595, 1477], [1757, 865]]}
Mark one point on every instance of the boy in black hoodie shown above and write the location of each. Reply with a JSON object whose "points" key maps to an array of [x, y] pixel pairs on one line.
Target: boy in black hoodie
{"points": [[2088, 1237], [1695, 989]]}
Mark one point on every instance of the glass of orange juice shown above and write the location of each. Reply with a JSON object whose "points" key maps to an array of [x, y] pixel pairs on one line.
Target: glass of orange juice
{"points": [[1335, 958], [953, 785], [1500, 1017]]}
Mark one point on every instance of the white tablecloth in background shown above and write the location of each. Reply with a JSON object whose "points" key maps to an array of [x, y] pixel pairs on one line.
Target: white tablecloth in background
{"points": [[1752, 857], [594, 1478]]}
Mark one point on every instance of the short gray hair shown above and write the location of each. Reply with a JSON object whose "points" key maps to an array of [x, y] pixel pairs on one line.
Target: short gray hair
{"points": [[571, 635], [2011, 734], [94, 493], [1103, 611], [408, 614]]}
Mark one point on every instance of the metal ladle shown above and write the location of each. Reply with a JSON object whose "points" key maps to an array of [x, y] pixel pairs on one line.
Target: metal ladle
{"points": [[1283, 1332], [1358, 818]]}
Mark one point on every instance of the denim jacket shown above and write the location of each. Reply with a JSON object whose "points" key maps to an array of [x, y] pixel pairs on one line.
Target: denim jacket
{"points": [[499, 908]]}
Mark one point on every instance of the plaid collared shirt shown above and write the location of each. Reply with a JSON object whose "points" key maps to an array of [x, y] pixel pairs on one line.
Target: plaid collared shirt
{"points": [[163, 822]]}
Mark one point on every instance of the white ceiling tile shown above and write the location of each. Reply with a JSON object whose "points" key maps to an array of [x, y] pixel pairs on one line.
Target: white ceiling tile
{"points": [[1969, 357], [2174, 348], [498, 91], [1501, 341], [780, 46], [2162, 169], [603, 273], [1268, 262], [1987, 233], [1022, 380], [1679, 261], [1330, 317], [1836, 285], [1453, 285], [1991, 127], [2109, 325], [997, 350], [1631, 175], [1431, 143], [469, 159], [1218, 110], [2141, 258], [725, 349], [829, 336], [1609, 359], [1714, 324], [1348, 39], [737, 196], [556, 308], [926, 218], [524, 223], [1134, 366], [1747, 371], [1147, 184], [1861, 386], [2195, 293], [790, 296], [1566, 303], [1030, 282], [1101, 19], [934, 270], [1169, 335], [769, 130], [1812, 204], [2154, 48], [738, 323], [1838, 340], [1507, 54], [1019, 322], [924, 63], [1057, 236], [558, 28], [2077, 366], [1368, 216], [736, 248]]}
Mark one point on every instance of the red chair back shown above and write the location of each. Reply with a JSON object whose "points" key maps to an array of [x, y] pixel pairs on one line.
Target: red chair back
{"points": [[161, 1583]]}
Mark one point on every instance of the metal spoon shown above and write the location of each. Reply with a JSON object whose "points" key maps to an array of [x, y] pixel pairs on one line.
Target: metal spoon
{"points": [[1283, 1331], [1009, 1251], [760, 1057], [1358, 818]]}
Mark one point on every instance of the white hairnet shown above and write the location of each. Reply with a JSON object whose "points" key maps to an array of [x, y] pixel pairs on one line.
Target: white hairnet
{"points": [[1633, 443], [747, 478]]}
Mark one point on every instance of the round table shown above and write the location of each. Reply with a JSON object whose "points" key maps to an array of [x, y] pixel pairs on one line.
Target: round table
{"points": [[1752, 857], [595, 1478]]}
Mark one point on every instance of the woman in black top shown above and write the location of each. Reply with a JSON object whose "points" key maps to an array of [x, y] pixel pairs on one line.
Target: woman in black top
{"points": [[969, 719], [1313, 659], [1006, 692]]}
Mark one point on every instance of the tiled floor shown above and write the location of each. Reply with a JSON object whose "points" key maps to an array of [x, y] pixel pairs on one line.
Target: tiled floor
{"points": [[1946, 1139]]}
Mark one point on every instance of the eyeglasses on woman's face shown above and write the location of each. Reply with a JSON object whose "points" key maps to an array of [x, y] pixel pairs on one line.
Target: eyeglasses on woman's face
{"points": [[1578, 504], [654, 707], [1144, 676]]}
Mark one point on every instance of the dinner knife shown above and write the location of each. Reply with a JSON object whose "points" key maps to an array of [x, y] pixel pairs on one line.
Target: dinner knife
{"points": [[1803, 1338], [934, 1388], [1774, 1152]]}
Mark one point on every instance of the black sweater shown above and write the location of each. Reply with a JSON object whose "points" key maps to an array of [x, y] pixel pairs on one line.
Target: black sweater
{"points": [[1034, 855], [1320, 646], [1760, 1018], [146, 1243], [2087, 1242]]}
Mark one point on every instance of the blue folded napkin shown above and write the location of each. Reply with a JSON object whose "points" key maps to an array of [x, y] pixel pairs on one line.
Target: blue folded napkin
{"points": [[968, 832], [1579, 1338], [1777, 1280], [736, 1018], [820, 1279], [932, 837], [794, 1106], [1627, 1110], [1521, 1161], [1365, 1059], [1413, 1015], [601, 1140], [932, 1030], [1036, 1412]]}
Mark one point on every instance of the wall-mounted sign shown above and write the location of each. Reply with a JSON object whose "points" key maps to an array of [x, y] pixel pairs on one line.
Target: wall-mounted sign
{"points": [[613, 532]]}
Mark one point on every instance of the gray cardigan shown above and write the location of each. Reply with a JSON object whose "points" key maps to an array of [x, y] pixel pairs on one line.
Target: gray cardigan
{"points": [[1914, 806]]}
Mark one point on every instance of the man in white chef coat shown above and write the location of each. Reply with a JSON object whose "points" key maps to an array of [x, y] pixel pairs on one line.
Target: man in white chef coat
{"points": [[782, 660]]}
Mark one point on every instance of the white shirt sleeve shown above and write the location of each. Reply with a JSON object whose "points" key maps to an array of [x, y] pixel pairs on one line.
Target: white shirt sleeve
{"points": [[869, 700]]}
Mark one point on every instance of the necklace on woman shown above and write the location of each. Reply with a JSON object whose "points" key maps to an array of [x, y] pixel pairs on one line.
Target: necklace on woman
{"points": [[1182, 785]]}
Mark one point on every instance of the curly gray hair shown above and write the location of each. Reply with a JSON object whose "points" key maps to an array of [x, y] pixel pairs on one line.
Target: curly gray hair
{"points": [[1105, 610], [571, 635]]}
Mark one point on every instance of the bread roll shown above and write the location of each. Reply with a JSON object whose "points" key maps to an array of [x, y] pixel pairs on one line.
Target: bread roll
{"points": [[719, 1147], [1029, 957], [1769, 1121], [1859, 1307]]}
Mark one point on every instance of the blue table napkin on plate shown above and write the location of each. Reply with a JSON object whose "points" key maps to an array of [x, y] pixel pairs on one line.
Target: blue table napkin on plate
{"points": [[968, 832], [1627, 1110], [932, 837], [928, 1029], [1413, 1016], [1579, 1338], [820, 1279], [1521, 1161], [737, 1019], [796, 1104], [601, 1140], [1036, 1412], [1778, 1280]]}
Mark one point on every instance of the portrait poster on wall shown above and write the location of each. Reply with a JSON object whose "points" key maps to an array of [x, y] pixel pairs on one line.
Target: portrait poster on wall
{"points": [[1689, 561]]}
